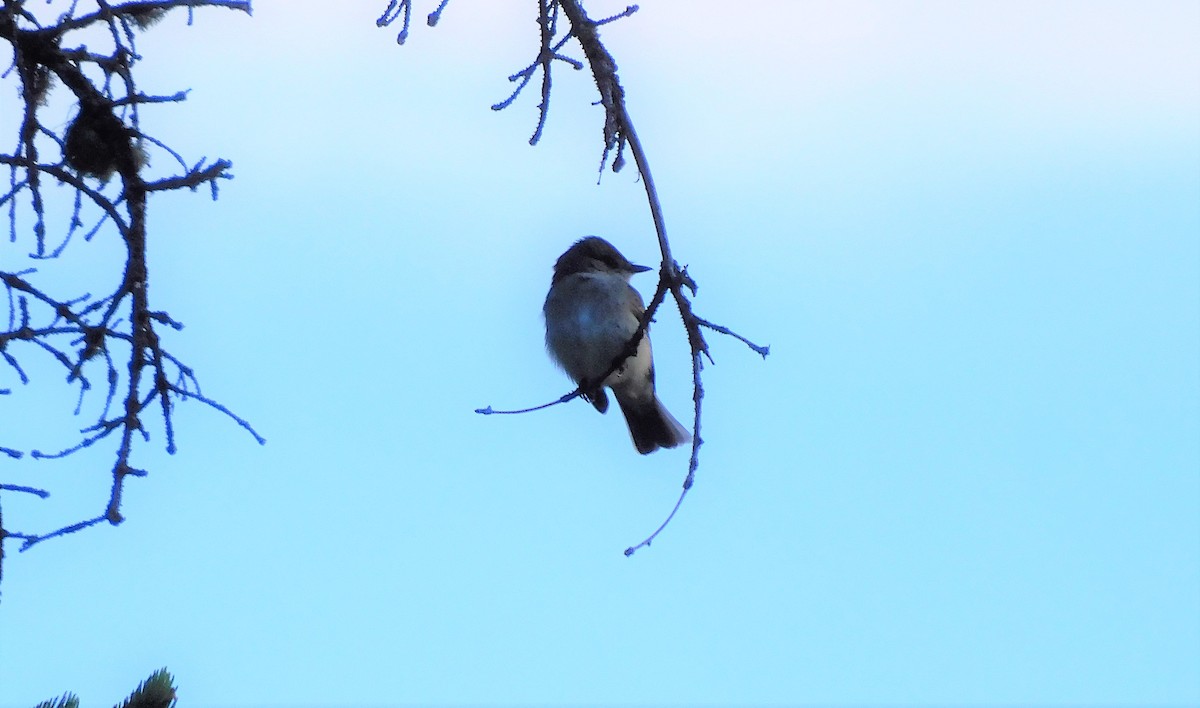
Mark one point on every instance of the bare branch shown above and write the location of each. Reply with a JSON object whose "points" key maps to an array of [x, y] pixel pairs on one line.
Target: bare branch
{"points": [[104, 140], [618, 133]]}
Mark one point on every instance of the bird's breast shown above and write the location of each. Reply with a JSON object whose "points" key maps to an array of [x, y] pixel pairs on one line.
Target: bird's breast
{"points": [[589, 319]]}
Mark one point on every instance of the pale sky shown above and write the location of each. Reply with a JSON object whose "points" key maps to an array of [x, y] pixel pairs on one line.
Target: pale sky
{"points": [[969, 472]]}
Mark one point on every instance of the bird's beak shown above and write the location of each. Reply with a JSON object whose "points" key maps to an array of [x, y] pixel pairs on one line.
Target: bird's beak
{"points": [[639, 269]]}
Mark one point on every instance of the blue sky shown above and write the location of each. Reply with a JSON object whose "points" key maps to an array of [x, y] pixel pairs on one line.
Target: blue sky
{"points": [[968, 473]]}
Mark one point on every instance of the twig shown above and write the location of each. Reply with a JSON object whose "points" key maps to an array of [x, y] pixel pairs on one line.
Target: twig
{"points": [[760, 350], [562, 399]]}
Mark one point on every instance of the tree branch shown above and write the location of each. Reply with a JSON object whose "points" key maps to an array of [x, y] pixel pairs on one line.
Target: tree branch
{"points": [[103, 141]]}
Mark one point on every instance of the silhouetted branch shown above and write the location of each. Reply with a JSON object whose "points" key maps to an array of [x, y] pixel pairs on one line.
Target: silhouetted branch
{"points": [[760, 350], [402, 9], [99, 159], [618, 133]]}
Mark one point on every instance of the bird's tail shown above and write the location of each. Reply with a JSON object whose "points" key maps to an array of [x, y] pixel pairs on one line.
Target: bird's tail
{"points": [[650, 424]]}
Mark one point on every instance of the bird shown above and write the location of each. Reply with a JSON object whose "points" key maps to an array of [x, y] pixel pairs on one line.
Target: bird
{"points": [[591, 314]]}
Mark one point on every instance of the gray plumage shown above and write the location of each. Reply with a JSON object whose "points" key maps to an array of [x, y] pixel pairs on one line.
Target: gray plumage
{"points": [[591, 313]]}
